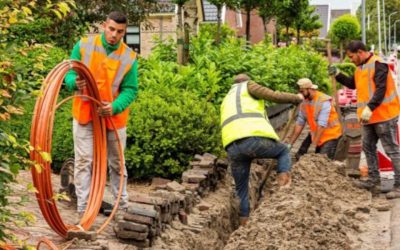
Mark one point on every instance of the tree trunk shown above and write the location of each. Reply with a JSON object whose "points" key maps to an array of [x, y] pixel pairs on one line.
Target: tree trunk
{"points": [[218, 38], [179, 39], [185, 59], [287, 36], [248, 13], [341, 52], [298, 35]]}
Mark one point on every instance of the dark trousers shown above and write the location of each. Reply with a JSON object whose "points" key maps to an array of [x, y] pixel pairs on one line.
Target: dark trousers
{"points": [[386, 132], [242, 152], [328, 148]]}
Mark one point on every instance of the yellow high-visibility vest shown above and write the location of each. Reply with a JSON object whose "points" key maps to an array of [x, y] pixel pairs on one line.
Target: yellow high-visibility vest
{"points": [[244, 116]]}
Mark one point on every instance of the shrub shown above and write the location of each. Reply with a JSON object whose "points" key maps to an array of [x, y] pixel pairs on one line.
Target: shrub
{"points": [[167, 126], [347, 68]]}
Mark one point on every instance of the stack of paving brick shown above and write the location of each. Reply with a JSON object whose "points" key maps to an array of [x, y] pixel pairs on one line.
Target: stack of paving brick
{"points": [[148, 214], [206, 170]]}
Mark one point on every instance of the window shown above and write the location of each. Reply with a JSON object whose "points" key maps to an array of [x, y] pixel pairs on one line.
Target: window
{"points": [[132, 38]]}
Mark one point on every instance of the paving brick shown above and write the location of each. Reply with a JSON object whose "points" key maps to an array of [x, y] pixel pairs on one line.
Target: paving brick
{"points": [[175, 187], [85, 235], [138, 218], [204, 206], [132, 226], [125, 234]]}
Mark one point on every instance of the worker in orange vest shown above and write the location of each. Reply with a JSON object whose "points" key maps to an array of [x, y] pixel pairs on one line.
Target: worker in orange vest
{"points": [[114, 67], [378, 109], [318, 111]]}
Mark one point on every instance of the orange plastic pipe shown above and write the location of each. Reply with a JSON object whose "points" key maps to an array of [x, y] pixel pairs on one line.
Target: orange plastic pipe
{"points": [[41, 140]]}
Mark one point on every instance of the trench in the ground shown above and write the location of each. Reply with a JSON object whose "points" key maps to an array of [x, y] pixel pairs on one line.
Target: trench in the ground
{"points": [[211, 229]]}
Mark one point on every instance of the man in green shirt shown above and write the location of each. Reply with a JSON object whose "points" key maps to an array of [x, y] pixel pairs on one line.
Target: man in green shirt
{"points": [[115, 69]]}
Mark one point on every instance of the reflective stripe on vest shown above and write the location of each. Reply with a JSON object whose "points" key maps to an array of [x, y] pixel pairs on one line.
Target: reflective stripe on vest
{"points": [[239, 112], [108, 71], [243, 116], [312, 110], [365, 84], [125, 59]]}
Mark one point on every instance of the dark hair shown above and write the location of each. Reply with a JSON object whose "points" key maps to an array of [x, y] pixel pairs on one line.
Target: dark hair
{"points": [[118, 17], [354, 46]]}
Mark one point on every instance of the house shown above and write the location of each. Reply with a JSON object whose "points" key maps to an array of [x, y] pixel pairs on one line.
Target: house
{"points": [[162, 23], [329, 11], [324, 12]]}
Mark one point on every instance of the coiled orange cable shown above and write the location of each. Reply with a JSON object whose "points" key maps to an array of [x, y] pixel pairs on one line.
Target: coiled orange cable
{"points": [[41, 140]]}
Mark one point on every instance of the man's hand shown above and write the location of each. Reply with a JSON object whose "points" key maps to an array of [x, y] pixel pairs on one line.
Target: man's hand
{"points": [[366, 115], [333, 70], [312, 148], [300, 96], [105, 110], [80, 83]]}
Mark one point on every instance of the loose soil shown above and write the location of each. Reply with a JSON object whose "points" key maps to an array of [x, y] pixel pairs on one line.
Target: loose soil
{"points": [[321, 210]]}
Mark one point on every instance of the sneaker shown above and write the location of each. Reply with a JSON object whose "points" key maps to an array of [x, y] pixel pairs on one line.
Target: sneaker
{"points": [[370, 185], [395, 193], [78, 220], [284, 179]]}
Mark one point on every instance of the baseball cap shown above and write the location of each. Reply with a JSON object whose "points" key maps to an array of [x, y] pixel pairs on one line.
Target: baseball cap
{"points": [[305, 83]]}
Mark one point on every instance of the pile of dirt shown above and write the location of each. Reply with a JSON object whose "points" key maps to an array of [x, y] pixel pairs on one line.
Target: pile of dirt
{"points": [[321, 210]]}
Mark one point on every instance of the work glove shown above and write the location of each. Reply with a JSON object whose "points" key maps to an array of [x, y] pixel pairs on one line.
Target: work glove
{"points": [[289, 146], [366, 114], [333, 70]]}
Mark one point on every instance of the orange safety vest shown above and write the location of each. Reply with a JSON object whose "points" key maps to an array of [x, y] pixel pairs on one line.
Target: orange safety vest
{"points": [[108, 71], [312, 109], [365, 85]]}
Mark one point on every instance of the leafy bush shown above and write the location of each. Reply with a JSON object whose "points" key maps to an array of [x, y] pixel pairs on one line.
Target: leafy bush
{"points": [[167, 126]]}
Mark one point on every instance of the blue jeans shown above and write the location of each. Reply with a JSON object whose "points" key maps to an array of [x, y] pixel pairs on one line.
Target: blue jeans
{"points": [[242, 152], [386, 132]]}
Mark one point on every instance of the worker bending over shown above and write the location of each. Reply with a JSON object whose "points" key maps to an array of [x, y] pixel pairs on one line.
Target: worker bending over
{"points": [[247, 134], [318, 111]]}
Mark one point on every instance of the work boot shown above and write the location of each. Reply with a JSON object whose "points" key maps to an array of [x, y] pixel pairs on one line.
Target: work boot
{"points": [[284, 179], [395, 193], [371, 185], [243, 221]]}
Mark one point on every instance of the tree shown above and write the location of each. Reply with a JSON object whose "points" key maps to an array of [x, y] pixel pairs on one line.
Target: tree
{"points": [[180, 31], [13, 151], [391, 6], [219, 4], [344, 29], [248, 6], [288, 11], [307, 21], [267, 10]]}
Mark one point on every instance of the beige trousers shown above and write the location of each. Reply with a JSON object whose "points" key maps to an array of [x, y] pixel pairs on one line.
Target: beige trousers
{"points": [[83, 147]]}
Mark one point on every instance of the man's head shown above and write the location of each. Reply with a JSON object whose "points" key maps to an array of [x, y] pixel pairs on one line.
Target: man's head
{"points": [[115, 27], [357, 52], [307, 88], [241, 78]]}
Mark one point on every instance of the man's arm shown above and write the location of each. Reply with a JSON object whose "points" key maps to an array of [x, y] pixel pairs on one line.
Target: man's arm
{"points": [[70, 77], [128, 90], [261, 92], [300, 123], [346, 80], [381, 73]]}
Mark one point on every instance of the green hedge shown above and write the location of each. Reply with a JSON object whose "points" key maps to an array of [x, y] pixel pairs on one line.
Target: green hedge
{"points": [[167, 126]]}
